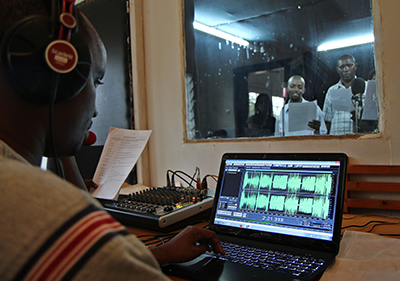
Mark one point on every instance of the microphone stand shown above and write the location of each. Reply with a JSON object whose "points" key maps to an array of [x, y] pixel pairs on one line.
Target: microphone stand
{"points": [[356, 98]]}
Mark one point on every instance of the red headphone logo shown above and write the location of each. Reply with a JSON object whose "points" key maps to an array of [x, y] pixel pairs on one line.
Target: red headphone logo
{"points": [[61, 56]]}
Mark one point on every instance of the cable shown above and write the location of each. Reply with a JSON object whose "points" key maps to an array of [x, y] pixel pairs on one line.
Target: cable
{"points": [[379, 223], [183, 179], [168, 178], [59, 169], [199, 184], [197, 171], [364, 225], [384, 223], [204, 184], [389, 234], [179, 171], [214, 177]]}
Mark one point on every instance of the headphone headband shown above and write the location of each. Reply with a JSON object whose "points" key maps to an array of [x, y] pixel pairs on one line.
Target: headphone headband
{"points": [[37, 48]]}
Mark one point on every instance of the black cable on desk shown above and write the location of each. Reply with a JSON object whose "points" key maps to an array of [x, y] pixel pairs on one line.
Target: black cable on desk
{"points": [[379, 223], [385, 223], [364, 225]]}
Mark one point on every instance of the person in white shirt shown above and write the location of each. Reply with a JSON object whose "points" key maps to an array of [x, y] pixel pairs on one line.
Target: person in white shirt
{"points": [[296, 89]]}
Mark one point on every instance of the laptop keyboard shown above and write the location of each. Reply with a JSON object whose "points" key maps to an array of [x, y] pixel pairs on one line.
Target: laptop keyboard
{"points": [[300, 266]]}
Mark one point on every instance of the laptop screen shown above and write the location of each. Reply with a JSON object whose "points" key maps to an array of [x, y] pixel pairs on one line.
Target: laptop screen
{"points": [[291, 197]]}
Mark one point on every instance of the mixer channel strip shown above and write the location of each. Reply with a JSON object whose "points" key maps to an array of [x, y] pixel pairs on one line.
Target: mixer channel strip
{"points": [[162, 208]]}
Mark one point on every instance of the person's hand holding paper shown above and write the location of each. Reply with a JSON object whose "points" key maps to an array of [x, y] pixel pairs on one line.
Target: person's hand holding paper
{"points": [[300, 114], [120, 154]]}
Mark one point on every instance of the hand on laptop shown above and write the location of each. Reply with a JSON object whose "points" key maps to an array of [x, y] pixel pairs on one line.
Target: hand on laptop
{"points": [[187, 245]]}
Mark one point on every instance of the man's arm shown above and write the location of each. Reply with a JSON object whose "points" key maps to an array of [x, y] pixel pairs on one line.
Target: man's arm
{"points": [[187, 245]]}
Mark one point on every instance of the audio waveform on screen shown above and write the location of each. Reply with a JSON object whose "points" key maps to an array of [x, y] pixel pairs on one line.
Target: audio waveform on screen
{"points": [[294, 182], [291, 194]]}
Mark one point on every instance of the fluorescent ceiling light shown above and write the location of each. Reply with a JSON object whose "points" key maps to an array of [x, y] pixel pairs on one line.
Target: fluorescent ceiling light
{"points": [[346, 43], [219, 33]]}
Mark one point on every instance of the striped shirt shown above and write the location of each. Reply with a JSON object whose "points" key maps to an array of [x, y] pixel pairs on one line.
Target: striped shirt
{"points": [[341, 122], [51, 230]]}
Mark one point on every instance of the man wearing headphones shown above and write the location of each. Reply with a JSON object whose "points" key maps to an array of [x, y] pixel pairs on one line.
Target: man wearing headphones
{"points": [[50, 229]]}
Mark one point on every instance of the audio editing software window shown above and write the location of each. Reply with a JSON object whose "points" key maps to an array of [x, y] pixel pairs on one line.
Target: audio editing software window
{"points": [[295, 198]]}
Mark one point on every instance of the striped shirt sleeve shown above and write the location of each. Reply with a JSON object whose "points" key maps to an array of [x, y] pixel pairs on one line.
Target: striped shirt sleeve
{"points": [[65, 252]]}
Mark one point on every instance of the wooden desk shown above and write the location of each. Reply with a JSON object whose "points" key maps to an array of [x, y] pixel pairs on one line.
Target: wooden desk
{"points": [[366, 223]]}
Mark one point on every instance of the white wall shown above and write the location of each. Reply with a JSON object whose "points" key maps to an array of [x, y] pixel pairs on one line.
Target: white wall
{"points": [[163, 106]]}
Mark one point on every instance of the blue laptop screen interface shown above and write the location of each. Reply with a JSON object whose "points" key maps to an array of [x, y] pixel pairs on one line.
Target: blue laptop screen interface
{"points": [[295, 198]]}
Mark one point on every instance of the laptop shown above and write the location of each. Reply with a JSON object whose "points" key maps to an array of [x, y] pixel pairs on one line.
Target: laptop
{"points": [[278, 216]]}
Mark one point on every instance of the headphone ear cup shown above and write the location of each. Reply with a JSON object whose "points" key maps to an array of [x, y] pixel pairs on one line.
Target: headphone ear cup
{"points": [[72, 83], [24, 63]]}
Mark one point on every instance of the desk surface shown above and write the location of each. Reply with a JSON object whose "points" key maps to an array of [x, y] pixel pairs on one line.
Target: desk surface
{"points": [[383, 225]]}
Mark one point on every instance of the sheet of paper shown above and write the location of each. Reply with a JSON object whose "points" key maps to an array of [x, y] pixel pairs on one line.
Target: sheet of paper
{"points": [[300, 113], [120, 154], [341, 100], [370, 111]]}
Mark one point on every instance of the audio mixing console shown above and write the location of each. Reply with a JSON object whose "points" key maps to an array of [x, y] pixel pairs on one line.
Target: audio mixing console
{"points": [[163, 209]]}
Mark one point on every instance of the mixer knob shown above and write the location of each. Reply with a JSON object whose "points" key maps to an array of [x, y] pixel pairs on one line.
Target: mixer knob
{"points": [[150, 210]]}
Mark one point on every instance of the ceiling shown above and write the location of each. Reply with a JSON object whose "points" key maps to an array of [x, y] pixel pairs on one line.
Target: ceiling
{"points": [[299, 23]]}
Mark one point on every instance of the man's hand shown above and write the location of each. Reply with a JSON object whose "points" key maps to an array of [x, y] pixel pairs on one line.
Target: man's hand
{"points": [[90, 185], [187, 245], [314, 124]]}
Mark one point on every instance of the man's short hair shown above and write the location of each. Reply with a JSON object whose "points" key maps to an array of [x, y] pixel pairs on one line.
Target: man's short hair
{"points": [[298, 76], [345, 57]]}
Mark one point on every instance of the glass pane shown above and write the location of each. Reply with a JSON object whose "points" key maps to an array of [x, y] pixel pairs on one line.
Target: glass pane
{"points": [[280, 39]]}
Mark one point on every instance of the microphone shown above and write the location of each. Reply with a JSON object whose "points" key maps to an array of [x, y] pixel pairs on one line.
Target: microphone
{"points": [[357, 89], [358, 86], [91, 139]]}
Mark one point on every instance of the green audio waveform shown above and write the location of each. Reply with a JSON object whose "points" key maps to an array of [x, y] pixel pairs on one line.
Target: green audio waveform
{"points": [[321, 207], [291, 205], [306, 205], [257, 194], [323, 184], [257, 180], [294, 182], [317, 207], [262, 202], [277, 202], [308, 183], [266, 181], [248, 200], [280, 181], [254, 201]]}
